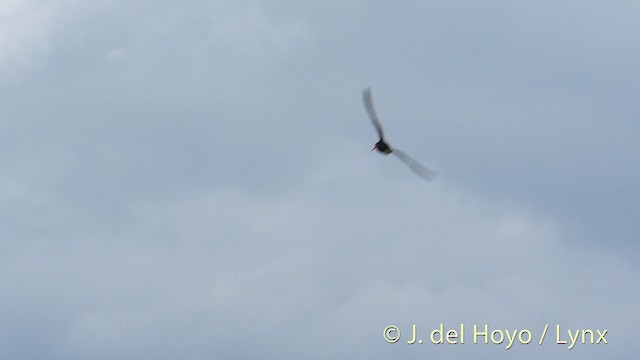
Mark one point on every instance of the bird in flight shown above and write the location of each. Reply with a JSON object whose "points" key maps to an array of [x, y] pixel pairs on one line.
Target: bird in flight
{"points": [[384, 148]]}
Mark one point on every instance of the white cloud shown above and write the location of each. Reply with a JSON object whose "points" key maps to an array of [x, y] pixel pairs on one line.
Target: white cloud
{"points": [[25, 30], [250, 30], [235, 266], [116, 55]]}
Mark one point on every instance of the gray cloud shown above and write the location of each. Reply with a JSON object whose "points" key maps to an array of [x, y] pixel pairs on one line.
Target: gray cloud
{"points": [[193, 179]]}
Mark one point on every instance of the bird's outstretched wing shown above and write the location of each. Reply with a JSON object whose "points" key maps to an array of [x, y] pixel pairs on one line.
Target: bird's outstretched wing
{"points": [[417, 168], [368, 104]]}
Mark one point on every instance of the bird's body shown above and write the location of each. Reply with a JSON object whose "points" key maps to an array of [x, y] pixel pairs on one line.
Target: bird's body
{"points": [[384, 148]]}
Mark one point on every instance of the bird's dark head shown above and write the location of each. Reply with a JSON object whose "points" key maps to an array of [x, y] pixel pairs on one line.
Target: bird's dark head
{"points": [[382, 147]]}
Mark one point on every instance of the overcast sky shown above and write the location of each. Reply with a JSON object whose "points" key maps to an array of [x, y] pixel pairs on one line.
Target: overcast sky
{"points": [[192, 179]]}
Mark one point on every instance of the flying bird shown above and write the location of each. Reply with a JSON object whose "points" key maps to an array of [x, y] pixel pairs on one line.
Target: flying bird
{"points": [[384, 148]]}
